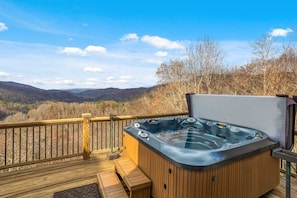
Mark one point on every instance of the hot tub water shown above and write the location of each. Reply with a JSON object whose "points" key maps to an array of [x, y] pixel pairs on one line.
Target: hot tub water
{"points": [[200, 134]]}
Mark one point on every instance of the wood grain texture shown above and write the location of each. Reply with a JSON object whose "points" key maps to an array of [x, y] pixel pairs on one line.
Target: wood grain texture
{"points": [[136, 181], [43, 181], [110, 186]]}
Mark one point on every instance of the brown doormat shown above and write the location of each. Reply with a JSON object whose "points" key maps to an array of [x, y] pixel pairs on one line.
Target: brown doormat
{"points": [[87, 191]]}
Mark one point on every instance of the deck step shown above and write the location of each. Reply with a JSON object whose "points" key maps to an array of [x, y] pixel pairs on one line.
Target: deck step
{"points": [[110, 185], [136, 181]]}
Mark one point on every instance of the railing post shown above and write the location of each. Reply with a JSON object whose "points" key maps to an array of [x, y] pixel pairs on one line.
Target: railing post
{"points": [[86, 135]]}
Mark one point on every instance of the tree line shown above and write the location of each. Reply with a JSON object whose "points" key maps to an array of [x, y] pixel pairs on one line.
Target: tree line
{"points": [[59, 110]]}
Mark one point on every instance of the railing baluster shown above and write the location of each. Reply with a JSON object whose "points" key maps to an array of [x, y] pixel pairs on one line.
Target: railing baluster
{"points": [[97, 139], [27, 144], [33, 144], [45, 142], [92, 136], [72, 138], [118, 134], [62, 139], [12, 146], [101, 131], [20, 145], [114, 134], [51, 144], [67, 139], [5, 149], [39, 143], [78, 141], [105, 135]]}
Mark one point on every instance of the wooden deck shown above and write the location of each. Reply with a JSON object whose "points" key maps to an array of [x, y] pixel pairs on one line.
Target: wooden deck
{"points": [[44, 181]]}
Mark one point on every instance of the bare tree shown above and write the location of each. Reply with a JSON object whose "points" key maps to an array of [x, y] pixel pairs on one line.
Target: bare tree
{"points": [[199, 72], [275, 66], [288, 62], [193, 68], [263, 56], [174, 77], [205, 60]]}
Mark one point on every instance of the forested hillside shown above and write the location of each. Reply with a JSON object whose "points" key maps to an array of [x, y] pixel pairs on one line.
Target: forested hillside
{"points": [[20, 93], [19, 102]]}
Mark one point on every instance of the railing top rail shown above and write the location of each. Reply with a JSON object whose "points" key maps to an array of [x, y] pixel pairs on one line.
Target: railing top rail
{"points": [[39, 123], [151, 116], [77, 120], [136, 117]]}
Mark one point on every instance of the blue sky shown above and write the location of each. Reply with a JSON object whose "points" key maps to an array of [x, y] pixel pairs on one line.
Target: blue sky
{"points": [[65, 44]]}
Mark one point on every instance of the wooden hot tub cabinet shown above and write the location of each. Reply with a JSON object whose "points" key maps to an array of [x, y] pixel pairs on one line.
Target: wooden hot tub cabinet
{"points": [[249, 177]]}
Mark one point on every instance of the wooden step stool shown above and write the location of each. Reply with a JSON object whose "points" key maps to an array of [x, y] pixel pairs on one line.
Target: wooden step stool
{"points": [[136, 181], [110, 186]]}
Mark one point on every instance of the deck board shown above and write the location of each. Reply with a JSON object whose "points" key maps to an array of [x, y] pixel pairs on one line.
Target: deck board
{"points": [[44, 181]]}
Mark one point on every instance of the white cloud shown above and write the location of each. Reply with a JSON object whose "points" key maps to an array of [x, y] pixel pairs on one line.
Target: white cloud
{"points": [[4, 74], [110, 78], [95, 49], [92, 80], [280, 32], [64, 82], [131, 36], [153, 61], [121, 79], [161, 42], [3, 27], [93, 69], [72, 51], [126, 77], [161, 53], [91, 49]]}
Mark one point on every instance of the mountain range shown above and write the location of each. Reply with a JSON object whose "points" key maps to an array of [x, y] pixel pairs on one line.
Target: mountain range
{"points": [[16, 92]]}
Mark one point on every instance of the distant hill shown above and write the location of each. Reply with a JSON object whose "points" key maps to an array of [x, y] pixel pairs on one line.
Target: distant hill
{"points": [[119, 95], [16, 92]]}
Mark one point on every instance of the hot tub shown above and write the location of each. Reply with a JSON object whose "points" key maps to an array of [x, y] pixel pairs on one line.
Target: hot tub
{"points": [[193, 157], [223, 149], [199, 144]]}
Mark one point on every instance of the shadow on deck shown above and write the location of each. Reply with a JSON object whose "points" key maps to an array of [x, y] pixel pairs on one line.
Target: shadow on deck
{"points": [[43, 181]]}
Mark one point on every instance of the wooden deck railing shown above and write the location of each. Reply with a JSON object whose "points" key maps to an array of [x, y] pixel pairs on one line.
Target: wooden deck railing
{"points": [[26, 143]]}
